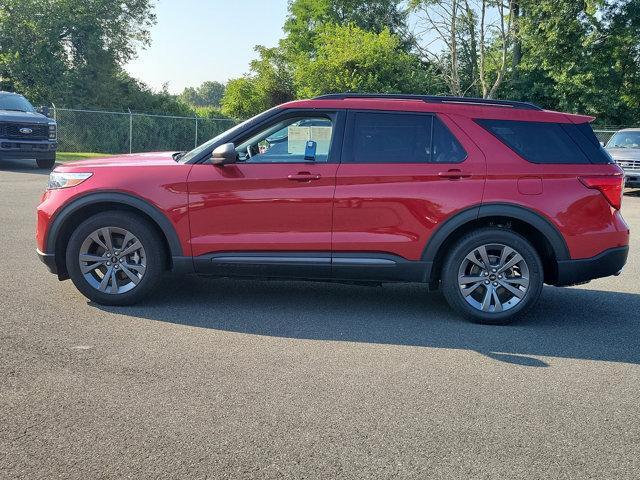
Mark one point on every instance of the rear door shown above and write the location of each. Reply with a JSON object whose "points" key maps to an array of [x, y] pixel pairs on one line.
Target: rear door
{"points": [[402, 175]]}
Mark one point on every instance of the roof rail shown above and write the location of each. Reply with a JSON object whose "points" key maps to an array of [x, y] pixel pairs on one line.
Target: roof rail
{"points": [[433, 99]]}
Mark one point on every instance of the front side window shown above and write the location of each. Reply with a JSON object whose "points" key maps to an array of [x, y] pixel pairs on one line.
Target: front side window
{"points": [[293, 140], [208, 146], [402, 138]]}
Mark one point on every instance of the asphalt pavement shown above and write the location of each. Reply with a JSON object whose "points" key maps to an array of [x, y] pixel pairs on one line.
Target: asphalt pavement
{"points": [[251, 379]]}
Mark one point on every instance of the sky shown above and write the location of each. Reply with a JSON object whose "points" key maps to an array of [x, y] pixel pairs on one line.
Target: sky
{"points": [[198, 40]]}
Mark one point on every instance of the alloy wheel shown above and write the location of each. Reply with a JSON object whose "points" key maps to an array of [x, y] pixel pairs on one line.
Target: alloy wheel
{"points": [[493, 278], [112, 260]]}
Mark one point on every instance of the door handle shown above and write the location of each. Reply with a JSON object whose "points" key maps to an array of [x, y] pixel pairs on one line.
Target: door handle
{"points": [[454, 174], [304, 177]]}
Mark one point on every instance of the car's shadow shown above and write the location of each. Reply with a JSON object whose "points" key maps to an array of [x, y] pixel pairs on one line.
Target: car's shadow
{"points": [[567, 322]]}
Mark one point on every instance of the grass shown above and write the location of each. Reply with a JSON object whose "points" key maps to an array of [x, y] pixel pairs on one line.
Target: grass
{"points": [[72, 156]]}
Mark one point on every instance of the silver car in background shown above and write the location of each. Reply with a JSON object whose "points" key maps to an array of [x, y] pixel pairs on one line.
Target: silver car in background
{"points": [[624, 147]]}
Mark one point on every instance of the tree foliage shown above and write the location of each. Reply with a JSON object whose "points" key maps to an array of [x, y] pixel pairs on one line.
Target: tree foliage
{"points": [[332, 45], [307, 19], [582, 56], [350, 59], [269, 83], [72, 53], [57, 50], [473, 41], [209, 94]]}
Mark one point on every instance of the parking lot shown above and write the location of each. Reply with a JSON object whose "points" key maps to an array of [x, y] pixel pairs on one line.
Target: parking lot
{"points": [[225, 379]]}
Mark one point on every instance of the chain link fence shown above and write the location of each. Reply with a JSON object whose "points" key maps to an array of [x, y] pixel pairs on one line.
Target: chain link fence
{"points": [[127, 132], [604, 134], [118, 132]]}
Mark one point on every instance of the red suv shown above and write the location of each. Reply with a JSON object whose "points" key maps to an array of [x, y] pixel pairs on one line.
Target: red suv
{"points": [[488, 199]]}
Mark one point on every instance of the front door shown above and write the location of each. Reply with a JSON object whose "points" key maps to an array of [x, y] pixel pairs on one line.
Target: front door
{"points": [[271, 212]]}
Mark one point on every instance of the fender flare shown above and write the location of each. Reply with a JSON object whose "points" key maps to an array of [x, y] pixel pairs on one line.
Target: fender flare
{"points": [[535, 219], [137, 203]]}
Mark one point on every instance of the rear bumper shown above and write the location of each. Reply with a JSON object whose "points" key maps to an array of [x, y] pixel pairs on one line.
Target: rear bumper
{"points": [[609, 262], [49, 259]]}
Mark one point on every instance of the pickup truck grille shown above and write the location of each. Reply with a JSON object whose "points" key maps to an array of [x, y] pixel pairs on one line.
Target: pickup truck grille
{"points": [[629, 164], [13, 131]]}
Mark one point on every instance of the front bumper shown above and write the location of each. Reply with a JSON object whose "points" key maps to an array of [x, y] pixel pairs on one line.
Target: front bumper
{"points": [[49, 259], [631, 178], [609, 262], [19, 149]]}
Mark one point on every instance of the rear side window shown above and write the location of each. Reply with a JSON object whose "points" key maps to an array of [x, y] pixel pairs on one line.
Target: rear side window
{"points": [[378, 137], [542, 142], [445, 147]]}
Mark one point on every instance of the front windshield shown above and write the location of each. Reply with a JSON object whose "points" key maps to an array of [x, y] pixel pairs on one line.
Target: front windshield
{"points": [[625, 140], [196, 152], [16, 103]]}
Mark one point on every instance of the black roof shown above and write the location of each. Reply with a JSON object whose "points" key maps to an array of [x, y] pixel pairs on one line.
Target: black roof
{"points": [[433, 99]]}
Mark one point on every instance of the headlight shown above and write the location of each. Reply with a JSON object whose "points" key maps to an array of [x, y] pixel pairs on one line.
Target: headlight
{"points": [[66, 180], [53, 131]]}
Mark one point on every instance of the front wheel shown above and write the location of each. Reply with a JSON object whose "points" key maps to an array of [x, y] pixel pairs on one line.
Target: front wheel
{"points": [[115, 258], [492, 275], [46, 162]]}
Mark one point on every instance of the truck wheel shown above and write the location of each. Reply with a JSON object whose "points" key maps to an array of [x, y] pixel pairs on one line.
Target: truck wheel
{"points": [[492, 275], [46, 162], [115, 258]]}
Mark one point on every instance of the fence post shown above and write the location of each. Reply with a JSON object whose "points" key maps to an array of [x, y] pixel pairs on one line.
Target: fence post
{"points": [[196, 140], [55, 115], [130, 131]]}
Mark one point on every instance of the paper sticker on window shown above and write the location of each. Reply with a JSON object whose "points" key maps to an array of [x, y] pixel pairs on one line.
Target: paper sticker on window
{"points": [[298, 137]]}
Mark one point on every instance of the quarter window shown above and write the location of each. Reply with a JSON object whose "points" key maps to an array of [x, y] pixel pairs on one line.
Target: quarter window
{"points": [[446, 148], [401, 138], [544, 142]]}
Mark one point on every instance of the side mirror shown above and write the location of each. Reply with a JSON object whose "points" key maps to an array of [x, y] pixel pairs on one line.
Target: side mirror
{"points": [[44, 110], [224, 154]]}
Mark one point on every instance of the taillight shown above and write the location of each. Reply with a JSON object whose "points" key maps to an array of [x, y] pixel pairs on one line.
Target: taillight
{"points": [[610, 187]]}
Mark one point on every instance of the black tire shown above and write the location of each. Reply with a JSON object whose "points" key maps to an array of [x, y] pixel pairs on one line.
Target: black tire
{"points": [[46, 162], [143, 231], [485, 236]]}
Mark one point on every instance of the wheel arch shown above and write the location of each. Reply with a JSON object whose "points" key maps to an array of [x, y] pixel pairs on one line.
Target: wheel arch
{"points": [[79, 209], [544, 236]]}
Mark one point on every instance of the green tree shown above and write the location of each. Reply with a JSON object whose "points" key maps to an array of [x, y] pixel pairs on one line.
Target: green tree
{"points": [[269, 83], [469, 41], [581, 57], [307, 17], [209, 94], [70, 51], [349, 58]]}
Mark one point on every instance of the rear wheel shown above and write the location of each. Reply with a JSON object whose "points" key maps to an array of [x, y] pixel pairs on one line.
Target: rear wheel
{"points": [[492, 275], [46, 162], [115, 258]]}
